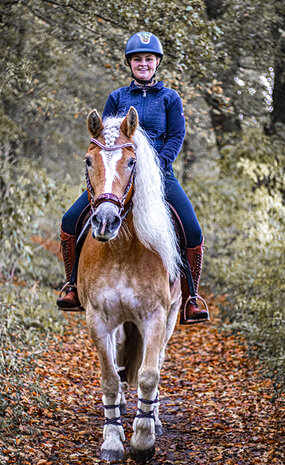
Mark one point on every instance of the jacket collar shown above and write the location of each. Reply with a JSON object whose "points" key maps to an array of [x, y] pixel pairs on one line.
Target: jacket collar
{"points": [[157, 86]]}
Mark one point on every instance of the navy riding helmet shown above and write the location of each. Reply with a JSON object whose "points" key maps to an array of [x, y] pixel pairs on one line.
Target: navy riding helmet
{"points": [[143, 42]]}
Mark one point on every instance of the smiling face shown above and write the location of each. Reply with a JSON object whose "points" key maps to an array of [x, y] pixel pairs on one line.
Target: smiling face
{"points": [[144, 65]]}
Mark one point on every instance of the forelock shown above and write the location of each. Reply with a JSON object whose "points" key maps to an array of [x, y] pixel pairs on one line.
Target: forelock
{"points": [[111, 131]]}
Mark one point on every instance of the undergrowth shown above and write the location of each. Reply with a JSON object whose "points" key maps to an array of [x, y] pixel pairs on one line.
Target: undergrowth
{"points": [[28, 319], [242, 213], [31, 206]]}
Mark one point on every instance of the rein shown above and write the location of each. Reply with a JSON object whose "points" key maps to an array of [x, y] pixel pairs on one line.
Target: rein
{"points": [[95, 202]]}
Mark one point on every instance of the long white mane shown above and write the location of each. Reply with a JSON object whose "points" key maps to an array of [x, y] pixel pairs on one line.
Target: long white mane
{"points": [[151, 216]]}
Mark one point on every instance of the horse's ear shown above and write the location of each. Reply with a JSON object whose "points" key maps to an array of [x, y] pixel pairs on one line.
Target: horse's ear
{"points": [[94, 123], [130, 122]]}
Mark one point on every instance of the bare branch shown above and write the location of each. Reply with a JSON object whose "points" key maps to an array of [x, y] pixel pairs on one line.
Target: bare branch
{"points": [[69, 5]]}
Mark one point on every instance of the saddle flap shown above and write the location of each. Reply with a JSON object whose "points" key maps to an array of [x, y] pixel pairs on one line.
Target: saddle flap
{"points": [[178, 227]]}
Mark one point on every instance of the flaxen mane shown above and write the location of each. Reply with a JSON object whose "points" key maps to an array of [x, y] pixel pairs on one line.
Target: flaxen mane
{"points": [[151, 216]]}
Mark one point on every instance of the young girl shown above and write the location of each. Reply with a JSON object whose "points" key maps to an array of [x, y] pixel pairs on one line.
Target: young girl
{"points": [[161, 116]]}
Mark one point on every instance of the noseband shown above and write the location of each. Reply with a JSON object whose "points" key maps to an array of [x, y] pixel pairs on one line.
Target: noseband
{"points": [[95, 202]]}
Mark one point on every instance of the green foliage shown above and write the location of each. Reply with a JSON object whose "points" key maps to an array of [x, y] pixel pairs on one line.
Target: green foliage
{"points": [[243, 217], [258, 157], [26, 192], [31, 205], [183, 29], [28, 314], [100, 30]]}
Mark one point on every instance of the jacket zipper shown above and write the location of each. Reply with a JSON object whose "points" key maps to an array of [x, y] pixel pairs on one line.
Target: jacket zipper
{"points": [[143, 105]]}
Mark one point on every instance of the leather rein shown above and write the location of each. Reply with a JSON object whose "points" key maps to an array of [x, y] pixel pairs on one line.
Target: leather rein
{"points": [[109, 197]]}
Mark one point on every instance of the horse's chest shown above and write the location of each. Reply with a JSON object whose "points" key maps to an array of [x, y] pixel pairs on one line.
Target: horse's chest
{"points": [[124, 299]]}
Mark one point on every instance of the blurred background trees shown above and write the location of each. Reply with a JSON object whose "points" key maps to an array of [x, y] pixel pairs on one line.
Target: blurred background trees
{"points": [[61, 58]]}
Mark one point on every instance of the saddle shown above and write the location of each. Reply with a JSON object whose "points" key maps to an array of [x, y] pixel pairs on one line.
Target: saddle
{"points": [[84, 223]]}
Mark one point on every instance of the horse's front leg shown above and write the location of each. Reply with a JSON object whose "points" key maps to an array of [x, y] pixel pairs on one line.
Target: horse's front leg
{"points": [[120, 357], [113, 434], [144, 426]]}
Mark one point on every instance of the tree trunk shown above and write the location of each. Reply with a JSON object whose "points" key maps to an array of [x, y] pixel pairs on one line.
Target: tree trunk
{"points": [[278, 113], [223, 121], [214, 8]]}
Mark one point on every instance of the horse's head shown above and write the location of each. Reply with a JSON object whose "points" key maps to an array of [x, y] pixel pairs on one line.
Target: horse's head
{"points": [[110, 169]]}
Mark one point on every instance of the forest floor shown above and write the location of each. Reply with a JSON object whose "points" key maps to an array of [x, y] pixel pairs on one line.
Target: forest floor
{"points": [[215, 406]]}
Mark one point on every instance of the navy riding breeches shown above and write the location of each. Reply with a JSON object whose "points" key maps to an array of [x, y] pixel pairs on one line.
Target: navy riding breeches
{"points": [[70, 218], [174, 194]]}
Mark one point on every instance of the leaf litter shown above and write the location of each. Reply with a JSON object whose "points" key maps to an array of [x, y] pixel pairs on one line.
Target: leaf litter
{"points": [[216, 408]]}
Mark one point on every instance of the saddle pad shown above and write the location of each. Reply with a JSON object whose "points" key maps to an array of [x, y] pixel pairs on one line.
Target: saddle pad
{"points": [[82, 220]]}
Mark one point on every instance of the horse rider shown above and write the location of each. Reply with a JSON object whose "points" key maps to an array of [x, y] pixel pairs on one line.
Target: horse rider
{"points": [[161, 115]]}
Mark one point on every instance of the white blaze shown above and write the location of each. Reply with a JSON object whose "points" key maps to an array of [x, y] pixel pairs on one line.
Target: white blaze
{"points": [[110, 160]]}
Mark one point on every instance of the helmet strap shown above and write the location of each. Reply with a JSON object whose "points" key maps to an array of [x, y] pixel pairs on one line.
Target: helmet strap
{"points": [[141, 81]]}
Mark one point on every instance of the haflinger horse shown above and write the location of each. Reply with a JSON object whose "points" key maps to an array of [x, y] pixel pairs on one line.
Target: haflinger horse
{"points": [[128, 277]]}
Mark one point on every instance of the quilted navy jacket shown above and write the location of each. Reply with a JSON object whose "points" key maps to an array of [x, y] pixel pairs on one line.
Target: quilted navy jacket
{"points": [[160, 115]]}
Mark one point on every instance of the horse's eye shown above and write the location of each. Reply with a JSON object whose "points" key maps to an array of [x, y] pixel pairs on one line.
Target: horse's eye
{"points": [[88, 161], [131, 163]]}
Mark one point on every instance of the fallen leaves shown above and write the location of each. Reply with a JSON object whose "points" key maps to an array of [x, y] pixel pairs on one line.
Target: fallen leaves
{"points": [[215, 406]]}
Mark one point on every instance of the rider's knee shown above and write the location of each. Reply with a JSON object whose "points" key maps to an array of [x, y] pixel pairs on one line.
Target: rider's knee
{"points": [[194, 236], [68, 223]]}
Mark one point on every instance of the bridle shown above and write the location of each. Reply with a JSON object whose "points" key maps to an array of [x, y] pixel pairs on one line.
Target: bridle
{"points": [[109, 197]]}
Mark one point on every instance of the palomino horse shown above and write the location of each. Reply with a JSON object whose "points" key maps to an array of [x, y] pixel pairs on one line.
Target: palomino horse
{"points": [[128, 276]]}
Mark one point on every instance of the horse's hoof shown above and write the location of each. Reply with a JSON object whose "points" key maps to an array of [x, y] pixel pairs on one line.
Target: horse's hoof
{"points": [[112, 455], [123, 409], [158, 430], [142, 456]]}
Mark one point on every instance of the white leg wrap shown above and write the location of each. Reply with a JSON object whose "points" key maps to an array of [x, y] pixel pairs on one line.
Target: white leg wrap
{"points": [[113, 412]]}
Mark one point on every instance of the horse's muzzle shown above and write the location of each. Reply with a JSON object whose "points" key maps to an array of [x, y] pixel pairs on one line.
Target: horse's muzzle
{"points": [[105, 222]]}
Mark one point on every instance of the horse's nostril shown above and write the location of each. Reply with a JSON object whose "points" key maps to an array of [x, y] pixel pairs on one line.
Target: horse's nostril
{"points": [[116, 222], [95, 221]]}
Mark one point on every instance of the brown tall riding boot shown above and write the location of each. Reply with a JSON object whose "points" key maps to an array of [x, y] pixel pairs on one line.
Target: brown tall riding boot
{"points": [[190, 312], [70, 301]]}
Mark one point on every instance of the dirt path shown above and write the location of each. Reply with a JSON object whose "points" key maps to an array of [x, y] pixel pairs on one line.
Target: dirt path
{"points": [[215, 408]]}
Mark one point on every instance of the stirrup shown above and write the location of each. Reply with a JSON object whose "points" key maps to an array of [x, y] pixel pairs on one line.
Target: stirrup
{"points": [[72, 286], [78, 308], [192, 320]]}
